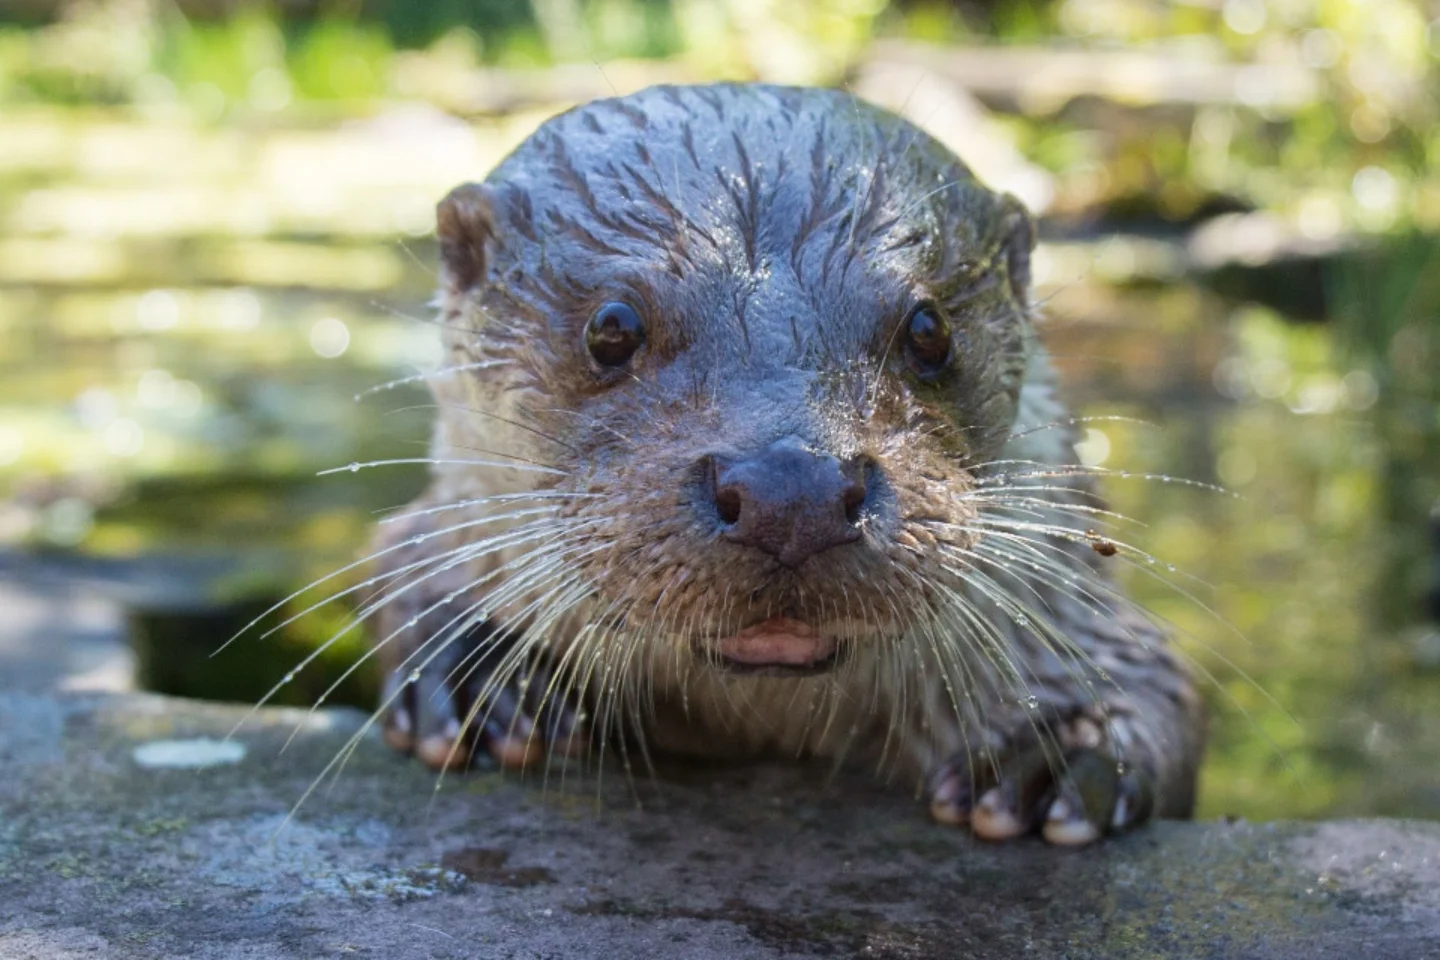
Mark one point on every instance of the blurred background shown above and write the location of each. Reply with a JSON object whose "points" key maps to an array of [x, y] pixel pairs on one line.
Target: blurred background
{"points": [[215, 236]]}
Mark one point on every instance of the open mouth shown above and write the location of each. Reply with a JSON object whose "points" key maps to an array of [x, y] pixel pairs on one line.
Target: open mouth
{"points": [[780, 646]]}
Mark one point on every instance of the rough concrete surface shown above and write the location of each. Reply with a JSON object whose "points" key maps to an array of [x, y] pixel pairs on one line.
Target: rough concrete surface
{"points": [[106, 852]]}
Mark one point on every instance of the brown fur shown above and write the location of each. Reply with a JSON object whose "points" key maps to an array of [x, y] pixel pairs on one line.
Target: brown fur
{"points": [[773, 240]]}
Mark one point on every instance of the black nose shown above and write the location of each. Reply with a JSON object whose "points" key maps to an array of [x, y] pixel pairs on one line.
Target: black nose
{"points": [[789, 502]]}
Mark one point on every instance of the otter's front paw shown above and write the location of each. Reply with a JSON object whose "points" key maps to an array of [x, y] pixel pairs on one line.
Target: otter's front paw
{"points": [[460, 701], [1073, 790]]}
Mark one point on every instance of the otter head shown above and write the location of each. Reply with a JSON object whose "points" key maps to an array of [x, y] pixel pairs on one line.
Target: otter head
{"points": [[763, 338]]}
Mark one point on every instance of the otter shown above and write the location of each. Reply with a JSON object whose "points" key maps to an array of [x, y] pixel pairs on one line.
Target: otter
{"points": [[746, 446]]}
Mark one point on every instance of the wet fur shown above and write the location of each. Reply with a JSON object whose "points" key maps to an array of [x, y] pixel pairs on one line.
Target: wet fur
{"points": [[773, 239]]}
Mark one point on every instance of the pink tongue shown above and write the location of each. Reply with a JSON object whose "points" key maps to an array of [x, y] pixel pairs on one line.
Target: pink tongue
{"points": [[779, 640]]}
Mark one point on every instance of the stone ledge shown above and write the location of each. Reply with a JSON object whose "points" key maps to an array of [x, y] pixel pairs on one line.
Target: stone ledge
{"points": [[101, 855]]}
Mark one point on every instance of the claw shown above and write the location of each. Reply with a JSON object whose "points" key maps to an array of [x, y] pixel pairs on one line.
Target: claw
{"points": [[950, 801], [1134, 801], [1067, 826], [995, 817], [1071, 801], [443, 753], [431, 717]]}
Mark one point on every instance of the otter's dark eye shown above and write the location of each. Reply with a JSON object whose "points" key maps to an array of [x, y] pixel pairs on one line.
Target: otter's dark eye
{"points": [[927, 341], [614, 333]]}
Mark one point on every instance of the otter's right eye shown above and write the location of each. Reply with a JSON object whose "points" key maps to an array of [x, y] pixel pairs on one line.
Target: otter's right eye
{"points": [[927, 341], [614, 333]]}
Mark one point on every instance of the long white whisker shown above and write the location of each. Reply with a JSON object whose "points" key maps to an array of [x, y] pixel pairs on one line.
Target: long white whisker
{"points": [[431, 375], [516, 464]]}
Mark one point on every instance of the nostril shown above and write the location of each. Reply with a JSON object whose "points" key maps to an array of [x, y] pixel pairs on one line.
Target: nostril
{"points": [[727, 505], [858, 474], [854, 499], [727, 497]]}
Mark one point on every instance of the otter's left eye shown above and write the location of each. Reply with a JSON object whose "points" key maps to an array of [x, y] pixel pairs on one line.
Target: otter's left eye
{"points": [[927, 341], [614, 333]]}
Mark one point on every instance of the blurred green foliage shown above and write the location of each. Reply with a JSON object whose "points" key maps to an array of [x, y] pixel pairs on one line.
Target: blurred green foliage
{"points": [[1358, 147]]}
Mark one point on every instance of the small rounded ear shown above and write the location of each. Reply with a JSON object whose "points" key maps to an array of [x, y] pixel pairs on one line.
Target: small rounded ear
{"points": [[464, 222], [1019, 233]]}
